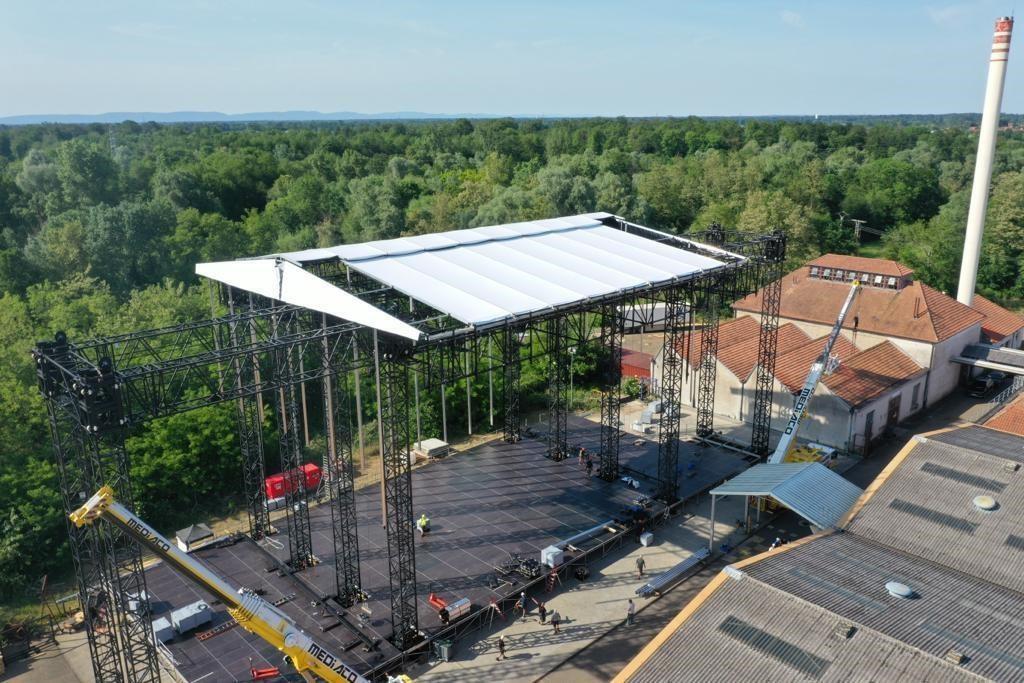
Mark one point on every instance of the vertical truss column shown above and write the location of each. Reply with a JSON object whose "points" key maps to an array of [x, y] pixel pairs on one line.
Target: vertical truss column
{"points": [[393, 381], [512, 370], [678, 303], [250, 432], [557, 373], [88, 430], [76, 479], [708, 355], [300, 541], [122, 555], [773, 256], [611, 339], [339, 470]]}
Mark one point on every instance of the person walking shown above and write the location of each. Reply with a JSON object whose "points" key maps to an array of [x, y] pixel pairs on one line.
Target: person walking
{"points": [[640, 565], [542, 610], [589, 465], [630, 611], [501, 649], [521, 605], [581, 455], [556, 620]]}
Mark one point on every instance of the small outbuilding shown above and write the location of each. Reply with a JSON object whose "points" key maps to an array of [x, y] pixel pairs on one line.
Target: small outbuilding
{"points": [[193, 536]]}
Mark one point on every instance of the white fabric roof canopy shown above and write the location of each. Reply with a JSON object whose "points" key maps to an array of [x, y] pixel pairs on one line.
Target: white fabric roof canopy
{"points": [[477, 276], [483, 275]]}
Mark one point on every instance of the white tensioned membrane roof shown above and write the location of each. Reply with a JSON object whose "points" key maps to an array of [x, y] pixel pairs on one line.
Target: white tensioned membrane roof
{"points": [[479, 276], [809, 489]]}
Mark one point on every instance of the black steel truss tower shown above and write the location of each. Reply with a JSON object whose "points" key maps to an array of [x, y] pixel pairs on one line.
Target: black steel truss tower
{"points": [[557, 372], [393, 380], [678, 302], [88, 431], [611, 399], [340, 474], [711, 301], [300, 540], [250, 429], [773, 256], [511, 343]]}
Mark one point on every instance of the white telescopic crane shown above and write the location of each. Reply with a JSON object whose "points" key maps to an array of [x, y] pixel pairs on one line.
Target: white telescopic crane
{"points": [[813, 377], [252, 612]]}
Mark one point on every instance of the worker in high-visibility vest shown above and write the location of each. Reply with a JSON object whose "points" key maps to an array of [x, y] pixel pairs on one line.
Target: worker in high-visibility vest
{"points": [[423, 524]]}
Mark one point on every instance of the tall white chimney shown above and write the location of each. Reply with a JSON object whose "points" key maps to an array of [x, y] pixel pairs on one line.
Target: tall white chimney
{"points": [[983, 165]]}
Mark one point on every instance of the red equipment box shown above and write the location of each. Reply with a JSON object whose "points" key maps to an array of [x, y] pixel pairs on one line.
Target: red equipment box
{"points": [[278, 485]]}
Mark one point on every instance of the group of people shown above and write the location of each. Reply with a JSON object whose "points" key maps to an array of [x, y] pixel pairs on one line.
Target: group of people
{"points": [[586, 462], [521, 608]]}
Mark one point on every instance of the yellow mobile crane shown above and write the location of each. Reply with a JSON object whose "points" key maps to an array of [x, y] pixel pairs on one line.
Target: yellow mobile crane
{"points": [[252, 612]]}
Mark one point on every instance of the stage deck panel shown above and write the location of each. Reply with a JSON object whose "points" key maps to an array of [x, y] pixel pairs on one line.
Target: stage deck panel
{"points": [[484, 504]]}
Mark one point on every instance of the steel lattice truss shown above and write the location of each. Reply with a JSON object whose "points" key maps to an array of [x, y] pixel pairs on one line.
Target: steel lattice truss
{"points": [[265, 350], [706, 369], [300, 539], [393, 414], [677, 313], [511, 360], [558, 370], [611, 340], [771, 275], [338, 469]]}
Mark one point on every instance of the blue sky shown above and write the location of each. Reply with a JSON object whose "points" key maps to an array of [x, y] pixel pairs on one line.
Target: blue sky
{"points": [[525, 57]]}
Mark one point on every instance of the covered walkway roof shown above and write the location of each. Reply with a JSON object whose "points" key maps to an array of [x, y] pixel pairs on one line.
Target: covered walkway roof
{"points": [[482, 277], [992, 358], [809, 489]]}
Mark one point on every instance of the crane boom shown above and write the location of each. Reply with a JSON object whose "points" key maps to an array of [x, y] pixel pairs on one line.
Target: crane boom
{"points": [[813, 377], [252, 612]]}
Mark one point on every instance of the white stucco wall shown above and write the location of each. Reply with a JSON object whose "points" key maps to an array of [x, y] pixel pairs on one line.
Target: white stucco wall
{"points": [[945, 375]]}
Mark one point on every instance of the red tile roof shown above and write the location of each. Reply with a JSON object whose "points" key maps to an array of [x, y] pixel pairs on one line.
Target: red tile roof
{"points": [[917, 311], [730, 332], [861, 264], [999, 323], [792, 366], [868, 374], [741, 357], [636, 359], [1009, 419]]}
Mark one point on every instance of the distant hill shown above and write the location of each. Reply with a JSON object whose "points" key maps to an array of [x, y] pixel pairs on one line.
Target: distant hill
{"points": [[220, 117]]}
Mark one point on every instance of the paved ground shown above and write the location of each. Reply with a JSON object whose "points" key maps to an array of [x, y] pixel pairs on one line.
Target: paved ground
{"points": [[589, 609], [53, 664]]}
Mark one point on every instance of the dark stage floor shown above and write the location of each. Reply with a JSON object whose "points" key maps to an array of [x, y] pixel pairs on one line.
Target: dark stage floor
{"points": [[485, 503]]}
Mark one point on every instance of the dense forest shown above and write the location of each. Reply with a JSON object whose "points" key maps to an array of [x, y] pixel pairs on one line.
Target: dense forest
{"points": [[101, 225]]}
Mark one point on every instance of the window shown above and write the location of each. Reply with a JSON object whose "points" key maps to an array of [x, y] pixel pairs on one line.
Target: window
{"points": [[814, 271], [892, 282], [839, 274], [851, 276], [878, 280], [915, 397], [826, 273], [865, 277]]}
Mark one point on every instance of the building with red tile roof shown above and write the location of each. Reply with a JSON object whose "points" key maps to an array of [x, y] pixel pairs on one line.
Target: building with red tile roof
{"points": [[1010, 419], [894, 356]]}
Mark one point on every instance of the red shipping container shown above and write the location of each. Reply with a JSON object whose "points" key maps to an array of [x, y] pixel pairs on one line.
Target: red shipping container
{"points": [[311, 474]]}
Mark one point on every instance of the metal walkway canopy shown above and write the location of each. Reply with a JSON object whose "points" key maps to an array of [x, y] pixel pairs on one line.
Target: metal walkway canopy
{"points": [[481, 277], [809, 489], [992, 358]]}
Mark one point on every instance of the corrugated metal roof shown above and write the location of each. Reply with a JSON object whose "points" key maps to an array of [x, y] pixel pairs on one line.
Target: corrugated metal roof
{"points": [[483, 275], [984, 440], [809, 489], [749, 631], [845, 574], [925, 507]]}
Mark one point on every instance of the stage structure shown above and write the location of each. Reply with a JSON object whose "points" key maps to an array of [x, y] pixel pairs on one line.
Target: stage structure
{"points": [[435, 309]]}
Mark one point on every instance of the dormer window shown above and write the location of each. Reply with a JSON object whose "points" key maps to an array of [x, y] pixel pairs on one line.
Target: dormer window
{"points": [[892, 283], [814, 271], [825, 273], [851, 276], [839, 273], [865, 277], [878, 281]]}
